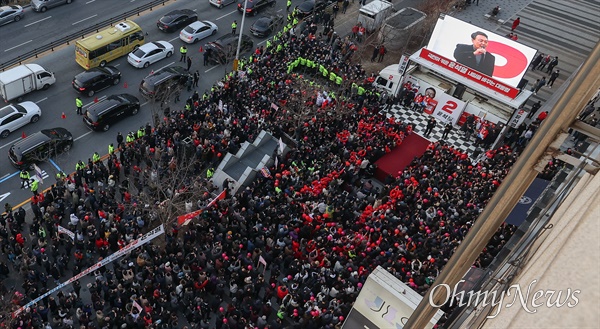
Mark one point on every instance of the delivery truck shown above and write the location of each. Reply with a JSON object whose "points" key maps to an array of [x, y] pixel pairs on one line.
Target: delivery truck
{"points": [[23, 79]]}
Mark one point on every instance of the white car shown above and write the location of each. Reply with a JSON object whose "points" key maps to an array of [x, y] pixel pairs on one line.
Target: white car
{"points": [[13, 117], [149, 53], [197, 31]]}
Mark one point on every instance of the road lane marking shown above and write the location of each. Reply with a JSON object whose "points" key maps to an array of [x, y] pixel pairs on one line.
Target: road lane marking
{"points": [[92, 102], [55, 165], [17, 46], [39, 20], [173, 39], [212, 68], [10, 143], [9, 177], [41, 100], [226, 15], [164, 67], [80, 137], [84, 19], [87, 3], [260, 43]]}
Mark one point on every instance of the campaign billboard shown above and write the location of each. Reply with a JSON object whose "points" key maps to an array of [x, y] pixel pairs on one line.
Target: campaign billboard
{"points": [[488, 53], [441, 106]]}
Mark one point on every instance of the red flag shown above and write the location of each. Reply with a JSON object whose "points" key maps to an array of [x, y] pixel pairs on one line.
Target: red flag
{"points": [[221, 196]]}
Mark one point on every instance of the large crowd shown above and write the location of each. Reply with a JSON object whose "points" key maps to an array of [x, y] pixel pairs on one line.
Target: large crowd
{"points": [[290, 250]]}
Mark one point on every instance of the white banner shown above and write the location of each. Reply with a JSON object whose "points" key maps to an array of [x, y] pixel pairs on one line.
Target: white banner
{"points": [[441, 106], [38, 173], [403, 65], [67, 232], [116, 255], [518, 118]]}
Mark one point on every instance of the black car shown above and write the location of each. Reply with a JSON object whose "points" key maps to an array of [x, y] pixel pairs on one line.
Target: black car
{"points": [[40, 147], [265, 25], [254, 6], [161, 82], [224, 48], [93, 80], [310, 6], [176, 20], [114, 108]]}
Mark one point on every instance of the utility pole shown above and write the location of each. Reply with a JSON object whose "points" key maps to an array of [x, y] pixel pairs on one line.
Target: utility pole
{"points": [[237, 53], [580, 90]]}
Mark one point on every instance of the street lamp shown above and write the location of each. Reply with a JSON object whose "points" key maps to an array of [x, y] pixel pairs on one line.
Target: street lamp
{"points": [[237, 53]]}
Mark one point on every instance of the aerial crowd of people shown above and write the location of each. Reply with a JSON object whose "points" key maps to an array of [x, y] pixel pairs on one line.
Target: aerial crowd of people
{"points": [[293, 249]]}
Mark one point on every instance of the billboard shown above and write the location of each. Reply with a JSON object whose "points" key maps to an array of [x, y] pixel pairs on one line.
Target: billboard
{"points": [[488, 53], [440, 105], [384, 302]]}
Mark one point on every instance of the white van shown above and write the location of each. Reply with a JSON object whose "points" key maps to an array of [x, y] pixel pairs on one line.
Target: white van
{"points": [[43, 5], [389, 79]]}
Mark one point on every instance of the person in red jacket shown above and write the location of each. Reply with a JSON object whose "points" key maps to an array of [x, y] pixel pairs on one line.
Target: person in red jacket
{"points": [[282, 291]]}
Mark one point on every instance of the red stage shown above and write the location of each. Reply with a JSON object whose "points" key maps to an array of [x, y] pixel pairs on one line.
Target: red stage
{"points": [[401, 156]]}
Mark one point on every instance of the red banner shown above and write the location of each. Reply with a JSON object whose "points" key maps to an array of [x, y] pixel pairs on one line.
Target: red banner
{"points": [[186, 218], [469, 73]]}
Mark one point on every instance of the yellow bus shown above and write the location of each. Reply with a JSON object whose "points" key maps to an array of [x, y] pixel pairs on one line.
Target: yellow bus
{"points": [[108, 44]]}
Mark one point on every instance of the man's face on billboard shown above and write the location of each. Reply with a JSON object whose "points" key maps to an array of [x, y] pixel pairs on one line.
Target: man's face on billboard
{"points": [[480, 41]]}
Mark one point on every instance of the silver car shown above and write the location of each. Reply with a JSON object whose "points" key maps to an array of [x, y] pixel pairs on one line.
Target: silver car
{"points": [[11, 14], [43, 5], [221, 3], [13, 117]]}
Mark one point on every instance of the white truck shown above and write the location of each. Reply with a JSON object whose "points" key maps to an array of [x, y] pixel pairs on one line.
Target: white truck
{"points": [[23, 79], [389, 80]]}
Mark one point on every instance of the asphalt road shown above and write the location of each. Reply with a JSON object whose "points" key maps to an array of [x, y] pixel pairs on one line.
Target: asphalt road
{"points": [[60, 97], [42, 28]]}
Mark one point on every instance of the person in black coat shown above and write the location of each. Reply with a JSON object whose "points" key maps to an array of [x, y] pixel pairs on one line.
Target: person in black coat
{"points": [[475, 55]]}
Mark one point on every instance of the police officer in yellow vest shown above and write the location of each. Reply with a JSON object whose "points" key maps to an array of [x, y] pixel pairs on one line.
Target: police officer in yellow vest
{"points": [[141, 132], [183, 52], [34, 186], [111, 149], [233, 27], [95, 157], [210, 172], [24, 175], [288, 5], [79, 165]]}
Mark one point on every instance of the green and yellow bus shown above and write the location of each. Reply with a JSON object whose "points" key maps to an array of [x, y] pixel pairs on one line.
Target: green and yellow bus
{"points": [[108, 44]]}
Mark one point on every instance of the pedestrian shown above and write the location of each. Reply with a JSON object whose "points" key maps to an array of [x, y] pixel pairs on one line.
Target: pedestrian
{"points": [[24, 175], [537, 81], [183, 52], [189, 63], [542, 116], [355, 31], [79, 105], [111, 149], [375, 53], [189, 83], [537, 61], [515, 23], [447, 130], [534, 108], [382, 52], [345, 5], [544, 62], [335, 9], [553, 63], [430, 125], [34, 186], [540, 85], [589, 109], [553, 77], [233, 27], [288, 5], [514, 37], [119, 139], [196, 78], [361, 32]]}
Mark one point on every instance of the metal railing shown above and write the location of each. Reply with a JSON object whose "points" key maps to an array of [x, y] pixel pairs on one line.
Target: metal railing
{"points": [[18, 60]]}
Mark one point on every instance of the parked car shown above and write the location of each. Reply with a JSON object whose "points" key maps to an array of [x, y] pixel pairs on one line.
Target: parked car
{"points": [[254, 6], [93, 80], [10, 14], [40, 147], [221, 3], [162, 82], [265, 25], [13, 117], [176, 20], [224, 48], [197, 31], [149, 53], [310, 6], [43, 5], [101, 115]]}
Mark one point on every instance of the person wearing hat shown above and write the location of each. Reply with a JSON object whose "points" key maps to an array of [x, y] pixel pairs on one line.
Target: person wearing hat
{"points": [[25, 176], [34, 186]]}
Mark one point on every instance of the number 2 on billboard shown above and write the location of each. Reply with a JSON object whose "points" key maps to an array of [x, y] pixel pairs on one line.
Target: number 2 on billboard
{"points": [[449, 107]]}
